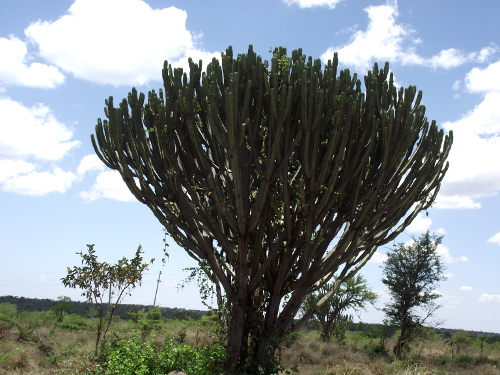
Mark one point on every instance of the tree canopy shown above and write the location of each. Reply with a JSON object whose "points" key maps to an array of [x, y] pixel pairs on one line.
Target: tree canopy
{"points": [[412, 272], [276, 175], [332, 318]]}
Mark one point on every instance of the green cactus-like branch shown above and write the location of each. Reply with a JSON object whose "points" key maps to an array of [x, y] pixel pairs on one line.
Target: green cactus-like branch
{"points": [[284, 173]]}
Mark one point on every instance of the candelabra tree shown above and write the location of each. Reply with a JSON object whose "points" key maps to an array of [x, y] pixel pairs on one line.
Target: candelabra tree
{"points": [[277, 176]]}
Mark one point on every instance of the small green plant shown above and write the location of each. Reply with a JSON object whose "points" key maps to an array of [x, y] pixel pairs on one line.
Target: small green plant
{"points": [[458, 342], [480, 339], [105, 284], [465, 360], [61, 308], [330, 317], [147, 321], [74, 322], [135, 357], [25, 322]]}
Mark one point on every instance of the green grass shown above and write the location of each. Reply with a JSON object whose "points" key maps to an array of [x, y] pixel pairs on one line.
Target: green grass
{"points": [[131, 348]]}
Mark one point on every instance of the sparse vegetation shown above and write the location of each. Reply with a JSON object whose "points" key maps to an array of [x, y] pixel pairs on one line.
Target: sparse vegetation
{"points": [[105, 285], [330, 318], [194, 346], [412, 273]]}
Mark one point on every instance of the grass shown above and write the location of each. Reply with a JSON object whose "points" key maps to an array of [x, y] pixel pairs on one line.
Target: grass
{"points": [[68, 349]]}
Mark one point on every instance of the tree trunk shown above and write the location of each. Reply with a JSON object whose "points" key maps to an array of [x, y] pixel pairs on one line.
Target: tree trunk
{"points": [[249, 350], [403, 339], [236, 340], [326, 331], [253, 338]]}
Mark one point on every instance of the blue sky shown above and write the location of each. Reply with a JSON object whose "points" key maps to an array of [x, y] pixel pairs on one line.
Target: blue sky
{"points": [[60, 59]]}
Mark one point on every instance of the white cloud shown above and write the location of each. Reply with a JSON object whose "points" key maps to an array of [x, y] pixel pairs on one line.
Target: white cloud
{"points": [[455, 202], [90, 163], [40, 183], [15, 69], [484, 80], [386, 40], [313, 3], [382, 39], [440, 231], [114, 41], [29, 137], [474, 171], [32, 131], [420, 224], [452, 58], [495, 239], [487, 298], [378, 257], [445, 255], [196, 55], [466, 288], [109, 184], [12, 168]]}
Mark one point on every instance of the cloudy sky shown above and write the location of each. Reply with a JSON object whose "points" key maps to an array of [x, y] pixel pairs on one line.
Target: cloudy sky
{"points": [[60, 59]]}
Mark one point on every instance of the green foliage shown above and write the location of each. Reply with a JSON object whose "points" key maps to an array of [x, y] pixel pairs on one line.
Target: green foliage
{"points": [[458, 342], [329, 317], [64, 351], [104, 285], [134, 356], [481, 341], [25, 322], [148, 321], [8, 310], [276, 174], [465, 360], [74, 322], [62, 307], [412, 272]]}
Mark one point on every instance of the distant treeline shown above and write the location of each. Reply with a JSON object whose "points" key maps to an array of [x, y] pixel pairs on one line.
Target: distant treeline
{"points": [[122, 310], [84, 308]]}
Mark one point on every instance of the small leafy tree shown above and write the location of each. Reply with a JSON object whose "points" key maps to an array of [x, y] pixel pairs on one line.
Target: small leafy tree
{"points": [[461, 341], [330, 317], [147, 321], [105, 284], [480, 339], [412, 272], [62, 307]]}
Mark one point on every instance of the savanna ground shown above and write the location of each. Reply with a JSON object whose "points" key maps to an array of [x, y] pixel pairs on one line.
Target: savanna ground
{"points": [[34, 343]]}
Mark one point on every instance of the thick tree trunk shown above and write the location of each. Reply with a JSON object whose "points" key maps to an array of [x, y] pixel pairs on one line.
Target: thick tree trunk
{"points": [[251, 349], [326, 332], [403, 339]]}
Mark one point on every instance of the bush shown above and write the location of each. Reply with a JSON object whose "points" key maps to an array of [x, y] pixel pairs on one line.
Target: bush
{"points": [[135, 357], [73, 322], [465, 361], [485, 360], [8, 310], [127, 357]]}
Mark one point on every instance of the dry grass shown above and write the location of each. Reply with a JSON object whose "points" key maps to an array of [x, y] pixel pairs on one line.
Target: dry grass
{"points": [[429, 357], [63, 351]]}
